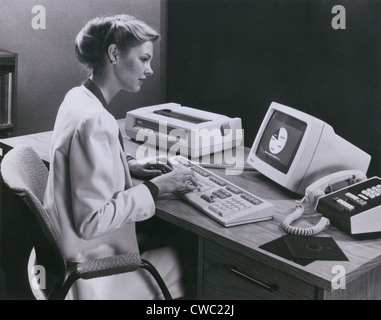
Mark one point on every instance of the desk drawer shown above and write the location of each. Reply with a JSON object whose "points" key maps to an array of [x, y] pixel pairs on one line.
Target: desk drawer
{"points": [[230, 275]]}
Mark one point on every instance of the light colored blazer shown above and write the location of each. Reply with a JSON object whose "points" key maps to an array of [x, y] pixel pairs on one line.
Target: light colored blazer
{"points": [[89, 194]]}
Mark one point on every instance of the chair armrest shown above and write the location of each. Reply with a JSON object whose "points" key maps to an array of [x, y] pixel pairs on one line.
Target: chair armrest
{"points": [[108, 266]]}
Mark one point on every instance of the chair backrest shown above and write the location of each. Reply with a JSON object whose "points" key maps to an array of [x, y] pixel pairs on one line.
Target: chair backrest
{"points": [[26, 175]]}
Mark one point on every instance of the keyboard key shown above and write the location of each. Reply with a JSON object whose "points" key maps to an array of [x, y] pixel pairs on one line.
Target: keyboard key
{"points": [[218, 181], [200, 171], [233, 189], [221, 193], [251, 199], [225, 212], [207, 198]]}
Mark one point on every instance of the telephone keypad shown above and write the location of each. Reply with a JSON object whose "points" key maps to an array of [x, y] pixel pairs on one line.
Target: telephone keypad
{"points": [[356, 209]]}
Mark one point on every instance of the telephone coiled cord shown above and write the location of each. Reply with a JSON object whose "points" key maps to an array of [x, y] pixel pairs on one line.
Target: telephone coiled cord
{"points": [[299, 210]]}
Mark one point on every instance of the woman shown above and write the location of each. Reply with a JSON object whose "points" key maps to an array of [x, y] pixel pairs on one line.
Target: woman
{"points": [[89, 194]]}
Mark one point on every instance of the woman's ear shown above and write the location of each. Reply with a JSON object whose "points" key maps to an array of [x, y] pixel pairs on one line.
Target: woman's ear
{"points": [[112, 53]]}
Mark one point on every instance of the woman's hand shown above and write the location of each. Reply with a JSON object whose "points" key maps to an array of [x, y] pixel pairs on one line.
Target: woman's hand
{"points": [[180, 181], [163, 176], [148, 169]]}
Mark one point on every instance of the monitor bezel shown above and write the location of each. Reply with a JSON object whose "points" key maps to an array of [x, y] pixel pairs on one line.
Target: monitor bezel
{"points": [[303, 156]]}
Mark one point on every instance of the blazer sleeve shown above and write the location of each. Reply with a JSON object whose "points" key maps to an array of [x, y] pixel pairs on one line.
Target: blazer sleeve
{"points": [[100, 202]]}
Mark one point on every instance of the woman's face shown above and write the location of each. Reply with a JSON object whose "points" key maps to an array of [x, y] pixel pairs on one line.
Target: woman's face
{"points": [[133, 68]]}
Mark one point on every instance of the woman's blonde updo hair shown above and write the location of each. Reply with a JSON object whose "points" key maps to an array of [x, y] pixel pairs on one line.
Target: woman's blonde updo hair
{"points": [[98, 34]]}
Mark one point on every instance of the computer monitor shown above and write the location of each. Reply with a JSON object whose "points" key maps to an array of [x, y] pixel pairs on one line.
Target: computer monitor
{"points": [[295, 149]]}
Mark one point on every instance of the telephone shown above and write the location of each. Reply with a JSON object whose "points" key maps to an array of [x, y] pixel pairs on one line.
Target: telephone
{"points": [[317, 190]]}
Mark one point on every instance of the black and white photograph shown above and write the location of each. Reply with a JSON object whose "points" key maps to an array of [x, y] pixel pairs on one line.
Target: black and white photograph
{"points": [[206, 152]]}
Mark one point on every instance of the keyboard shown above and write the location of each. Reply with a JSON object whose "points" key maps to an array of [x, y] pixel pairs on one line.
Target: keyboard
{"points": [[220, 199]]}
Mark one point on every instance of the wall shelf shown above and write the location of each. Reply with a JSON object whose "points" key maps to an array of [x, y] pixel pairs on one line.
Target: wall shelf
{"points": [[8, 87]]}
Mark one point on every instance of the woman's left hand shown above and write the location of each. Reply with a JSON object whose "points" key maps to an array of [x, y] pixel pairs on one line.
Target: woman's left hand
{"points": [[148, 169]]}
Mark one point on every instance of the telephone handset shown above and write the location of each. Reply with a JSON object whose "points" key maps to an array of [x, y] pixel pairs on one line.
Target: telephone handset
{"points": [[319, 188], [332, 182]]}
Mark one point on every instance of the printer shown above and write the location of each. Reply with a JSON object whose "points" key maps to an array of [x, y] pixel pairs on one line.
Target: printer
{"points": [[184, 130]]}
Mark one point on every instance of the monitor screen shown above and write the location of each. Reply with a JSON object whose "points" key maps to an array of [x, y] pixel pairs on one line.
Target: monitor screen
{"points": [[294, 149], [281, 140]]}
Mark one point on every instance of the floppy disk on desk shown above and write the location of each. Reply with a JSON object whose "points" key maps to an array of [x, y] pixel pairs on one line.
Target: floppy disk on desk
{"points": [[304, 250], [279, 247], [317, 248], [174, 126]]}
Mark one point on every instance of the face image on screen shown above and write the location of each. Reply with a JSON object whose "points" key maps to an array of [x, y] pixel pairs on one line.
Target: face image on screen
{"points": [[280, 141]]}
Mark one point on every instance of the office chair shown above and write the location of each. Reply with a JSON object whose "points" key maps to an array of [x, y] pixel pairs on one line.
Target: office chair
{"points": [[26, 175]]}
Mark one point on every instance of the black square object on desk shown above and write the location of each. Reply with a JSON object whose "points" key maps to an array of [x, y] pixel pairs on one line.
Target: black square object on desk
{"points": [[318, 248], [304, 250], [279, 247]]}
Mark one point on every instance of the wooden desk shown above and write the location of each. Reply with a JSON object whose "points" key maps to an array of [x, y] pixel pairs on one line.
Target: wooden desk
{"points": [[221, 248]]}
